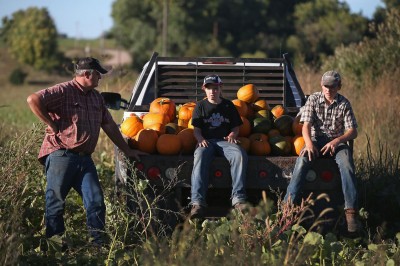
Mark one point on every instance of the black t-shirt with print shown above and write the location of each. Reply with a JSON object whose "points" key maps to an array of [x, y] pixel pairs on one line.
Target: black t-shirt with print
{"points": [[215, 120]]}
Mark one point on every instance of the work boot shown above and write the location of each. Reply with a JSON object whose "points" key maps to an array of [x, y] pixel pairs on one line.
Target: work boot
{"points": [[197, 212], [351, 220]]}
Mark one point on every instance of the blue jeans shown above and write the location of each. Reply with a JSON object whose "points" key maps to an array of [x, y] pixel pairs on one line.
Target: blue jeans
{"points": [[66, 170], [203, 157], [344, 159]]}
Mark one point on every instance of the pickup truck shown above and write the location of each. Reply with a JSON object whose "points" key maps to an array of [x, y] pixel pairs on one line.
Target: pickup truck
{"points": [[180, 79]]}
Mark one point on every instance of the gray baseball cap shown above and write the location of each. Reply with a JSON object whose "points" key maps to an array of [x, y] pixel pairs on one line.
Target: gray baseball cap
{"points": [[331, 78]]}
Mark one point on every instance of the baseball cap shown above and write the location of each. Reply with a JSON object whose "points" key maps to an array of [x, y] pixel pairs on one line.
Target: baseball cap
{"points": [[212, 79], [331, 79], [90, 63]]}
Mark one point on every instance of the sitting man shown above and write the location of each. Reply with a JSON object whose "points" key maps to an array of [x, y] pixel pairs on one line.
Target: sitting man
{"points": [[216, 124], [329, 123]]}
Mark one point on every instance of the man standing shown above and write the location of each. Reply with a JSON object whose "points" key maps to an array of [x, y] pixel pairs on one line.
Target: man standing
{"points": [[216, 126], [74, 112], [329, 122]]}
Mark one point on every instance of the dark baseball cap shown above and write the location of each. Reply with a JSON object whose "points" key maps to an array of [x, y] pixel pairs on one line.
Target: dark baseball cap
{"points": [[212, 79], [90, 63], [331, 79]]}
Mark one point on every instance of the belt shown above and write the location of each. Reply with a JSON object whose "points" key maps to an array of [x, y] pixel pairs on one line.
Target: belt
{"points": [[80, 153]]}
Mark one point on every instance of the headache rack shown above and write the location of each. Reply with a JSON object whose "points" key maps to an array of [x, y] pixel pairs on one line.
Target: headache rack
{"points": [[181, 79]]}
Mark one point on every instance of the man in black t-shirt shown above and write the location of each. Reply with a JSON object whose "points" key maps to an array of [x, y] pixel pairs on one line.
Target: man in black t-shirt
{"points": [[216, 126]]}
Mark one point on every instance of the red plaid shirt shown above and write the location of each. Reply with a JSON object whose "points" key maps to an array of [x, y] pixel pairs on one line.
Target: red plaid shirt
{"points": [[79, 116]]}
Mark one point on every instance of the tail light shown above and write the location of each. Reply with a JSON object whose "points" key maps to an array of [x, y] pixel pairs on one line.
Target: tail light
{"points": [[139, 166], [153, 173], [218, 173], [327, 176], [263, 174], [311, 176]]}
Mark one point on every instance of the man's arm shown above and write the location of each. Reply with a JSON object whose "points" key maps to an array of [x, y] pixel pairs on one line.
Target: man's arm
{"points": [[332, 145], [40, 111], [112, 131], [199, 137], [309, 148]]}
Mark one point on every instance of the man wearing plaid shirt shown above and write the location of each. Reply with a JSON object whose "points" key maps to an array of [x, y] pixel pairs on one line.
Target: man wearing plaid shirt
{"points": [[329, 122], [74, 112]]}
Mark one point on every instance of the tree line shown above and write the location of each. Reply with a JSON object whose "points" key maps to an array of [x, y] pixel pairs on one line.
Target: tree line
{"points": [[309, 30]]}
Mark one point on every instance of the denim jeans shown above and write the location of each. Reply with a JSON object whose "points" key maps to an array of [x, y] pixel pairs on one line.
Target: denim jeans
{"points": [[344, 159], [203, 157], [66, 170]]}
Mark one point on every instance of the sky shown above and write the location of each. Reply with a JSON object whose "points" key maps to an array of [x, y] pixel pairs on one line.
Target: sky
{"points": [[88, 19]]}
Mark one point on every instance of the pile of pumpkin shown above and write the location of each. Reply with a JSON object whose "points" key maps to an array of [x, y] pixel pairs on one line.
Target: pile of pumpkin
{"points": [[167, 128]]}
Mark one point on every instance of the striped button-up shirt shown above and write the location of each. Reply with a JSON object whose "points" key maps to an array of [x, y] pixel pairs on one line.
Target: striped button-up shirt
{"points": [[331, 120], [79, 116]]}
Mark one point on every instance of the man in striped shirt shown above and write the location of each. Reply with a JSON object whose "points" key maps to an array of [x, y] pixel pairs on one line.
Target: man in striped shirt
{"points": [[74, 112], [329, 122]]}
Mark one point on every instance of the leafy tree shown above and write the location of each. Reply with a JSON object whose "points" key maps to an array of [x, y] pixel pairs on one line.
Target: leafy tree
{"points": [[31, 37], [371, 57], [321, 26], [204, 28]]}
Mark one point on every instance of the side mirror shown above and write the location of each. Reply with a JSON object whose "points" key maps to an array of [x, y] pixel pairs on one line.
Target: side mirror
{"points": [[114, 101]]}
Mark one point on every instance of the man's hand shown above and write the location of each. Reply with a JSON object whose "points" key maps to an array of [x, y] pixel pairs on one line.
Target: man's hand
{"points": [[231, 139], [330, 147], [311, 151], [52, 129], [203, 143]]}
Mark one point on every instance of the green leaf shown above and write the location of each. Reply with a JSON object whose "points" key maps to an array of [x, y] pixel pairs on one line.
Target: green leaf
{"points": [[299, 229], [390, 262], [373, 247], [313, 239]]}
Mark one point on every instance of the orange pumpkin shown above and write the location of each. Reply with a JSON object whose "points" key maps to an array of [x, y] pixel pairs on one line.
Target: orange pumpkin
{"points": [[298, 144], [245, 128], [164, 106], [158, 127], [248, 93], [186, 110], [260, 148], [169, 144], [188, 141], [147, 140], [297, 127], [241, 106], [190, 124], [131, 126], [278, 111], [260, 104], [244, 143], [183, 123], [154, 118]]}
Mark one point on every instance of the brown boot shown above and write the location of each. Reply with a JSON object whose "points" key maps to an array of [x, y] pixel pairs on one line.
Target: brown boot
{"points": [[197, 212], [351, 219]]}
